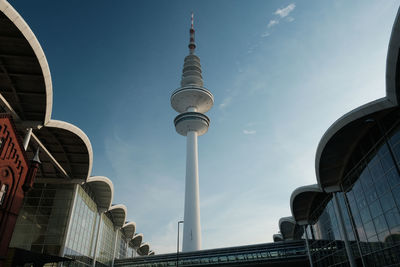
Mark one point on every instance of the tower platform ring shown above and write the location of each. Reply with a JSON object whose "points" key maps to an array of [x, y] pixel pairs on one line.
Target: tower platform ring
{"points": [[191, 121], [192, 96]]}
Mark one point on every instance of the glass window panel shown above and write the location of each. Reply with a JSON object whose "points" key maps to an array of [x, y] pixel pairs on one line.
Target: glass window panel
{"points": [[396, 151], [387, 162], [381, 186], [393, 218], [366, 178], [371, 194], [361, 234], [387, 202], [369, 229], [361, 202], [365, 215], [393, 177], [375, 209], [375, 168], [380, 224], [395, 138], [396, 194]]}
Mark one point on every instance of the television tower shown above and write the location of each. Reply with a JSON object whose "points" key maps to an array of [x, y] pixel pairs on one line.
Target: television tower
{"points": [[191, 100]]}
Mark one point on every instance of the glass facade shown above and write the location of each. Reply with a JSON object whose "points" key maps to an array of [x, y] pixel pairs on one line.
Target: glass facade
{"points": [[121, 248], [326, 245], [370, 204], [80, 243], [374, 201], [42, 222], [54, 214], [105, 250]]}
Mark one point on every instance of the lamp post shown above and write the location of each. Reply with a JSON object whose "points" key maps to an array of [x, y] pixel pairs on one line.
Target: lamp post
{"points": [[177, 246]]}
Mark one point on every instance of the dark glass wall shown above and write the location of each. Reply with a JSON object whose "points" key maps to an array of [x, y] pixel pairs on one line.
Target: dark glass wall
{"points": [[373, 199], [326, 245]]}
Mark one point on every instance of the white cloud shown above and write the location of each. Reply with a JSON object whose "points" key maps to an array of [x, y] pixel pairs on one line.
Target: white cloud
{"points": [[272, 23], [265, 34], [225, 102], [290, 19], [249, 131], [283, 12]]}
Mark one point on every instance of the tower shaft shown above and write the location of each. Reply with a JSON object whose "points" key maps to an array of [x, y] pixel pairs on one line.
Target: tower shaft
{"points": [[191, 227]]}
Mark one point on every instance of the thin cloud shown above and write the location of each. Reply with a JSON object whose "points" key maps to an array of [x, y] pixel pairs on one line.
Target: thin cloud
{"points": [[265, 34], [249, 132], [283, 12], [272, 23], [225, 102]]}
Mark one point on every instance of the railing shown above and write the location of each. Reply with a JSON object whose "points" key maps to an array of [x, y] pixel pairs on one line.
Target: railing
{"points": [[243, 255]]}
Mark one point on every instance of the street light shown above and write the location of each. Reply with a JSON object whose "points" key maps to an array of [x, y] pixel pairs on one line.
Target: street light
{"points": [[177, 247]]}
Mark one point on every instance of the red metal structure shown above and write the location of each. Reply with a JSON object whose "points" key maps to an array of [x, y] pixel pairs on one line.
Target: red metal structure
{"points": [[15, 180]]}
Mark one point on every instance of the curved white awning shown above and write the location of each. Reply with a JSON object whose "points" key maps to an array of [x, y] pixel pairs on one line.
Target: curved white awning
{"points": [[103, 190], [25, 79], [118, 214]]}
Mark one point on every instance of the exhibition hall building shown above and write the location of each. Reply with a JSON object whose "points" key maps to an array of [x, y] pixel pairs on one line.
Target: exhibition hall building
{"points": [[67, 214], [351, 216]]}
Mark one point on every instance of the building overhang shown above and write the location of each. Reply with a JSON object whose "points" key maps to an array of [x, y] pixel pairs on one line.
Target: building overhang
{"points": [[289, 229], [118, 214], [103, 190], [277, 237], [304, 201], [24, 74], [129, 229], [144, 249], [136, 240], [66, 151]]}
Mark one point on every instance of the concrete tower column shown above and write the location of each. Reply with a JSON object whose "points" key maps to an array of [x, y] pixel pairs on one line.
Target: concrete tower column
{"points": [[191, 228]]}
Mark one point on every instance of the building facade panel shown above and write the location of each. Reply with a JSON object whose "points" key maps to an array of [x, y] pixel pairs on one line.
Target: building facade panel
{"points": [[105, 250], [83, 228], [373, 199], [42, 222]]}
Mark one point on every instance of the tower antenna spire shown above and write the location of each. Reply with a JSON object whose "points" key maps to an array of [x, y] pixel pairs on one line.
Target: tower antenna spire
{"points": [[192, 44], [192, 19]]}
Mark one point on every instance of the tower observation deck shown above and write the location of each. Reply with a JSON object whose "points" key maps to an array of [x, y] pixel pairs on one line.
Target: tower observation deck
{"points": [[191, 100]]}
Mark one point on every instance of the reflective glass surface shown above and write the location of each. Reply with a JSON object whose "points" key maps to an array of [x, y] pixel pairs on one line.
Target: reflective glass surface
{"points": [[83, 227], [41, 224], [373, 202], [105, 250]]}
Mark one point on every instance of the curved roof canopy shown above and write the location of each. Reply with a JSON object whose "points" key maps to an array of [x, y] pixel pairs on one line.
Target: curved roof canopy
{"points": [[136, 240], [129, 229], [277, 237], [151, 253], [103, 190], [304, 201], [144, 249], [340, 140], [289, 229], [68, 146], [25, 79], [118, 214]]}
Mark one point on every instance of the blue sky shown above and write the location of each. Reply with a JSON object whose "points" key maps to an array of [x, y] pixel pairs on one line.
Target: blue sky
{"points": [[281, 73]]}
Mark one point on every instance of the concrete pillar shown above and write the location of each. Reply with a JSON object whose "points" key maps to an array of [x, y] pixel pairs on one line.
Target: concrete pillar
{"points": [[308, 246], [97, 239], [342, 227], [115, 245], [191, 228]]}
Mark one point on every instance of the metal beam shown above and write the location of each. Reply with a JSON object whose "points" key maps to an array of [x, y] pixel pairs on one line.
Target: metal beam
{"points": [[52, 159]]}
